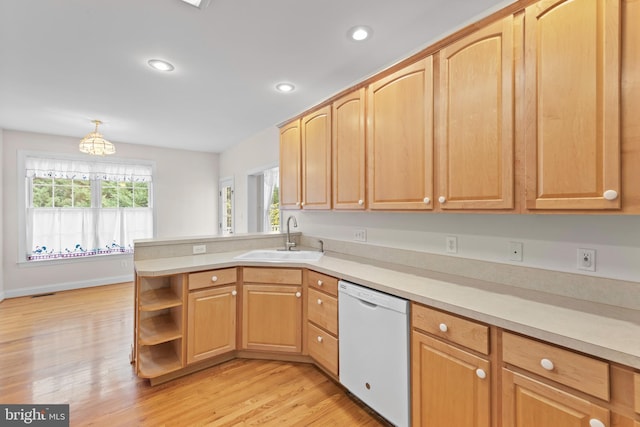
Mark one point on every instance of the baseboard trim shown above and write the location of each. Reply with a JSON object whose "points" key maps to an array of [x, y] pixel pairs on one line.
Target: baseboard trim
{"points": [[1, 296], [67, 286]]}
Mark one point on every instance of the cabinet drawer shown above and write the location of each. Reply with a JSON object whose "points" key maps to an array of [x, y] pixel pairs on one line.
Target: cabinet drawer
{"points": [[467, 333], [323, 310], [583, 373], [323, 348], [323, 283], [206, 279], [279, 276]]}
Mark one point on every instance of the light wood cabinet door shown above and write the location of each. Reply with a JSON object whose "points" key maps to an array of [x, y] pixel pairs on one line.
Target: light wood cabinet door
{"points": [[572, 103], [348, 151], [475, 126], [529, 403], [272, 318], [400, 139], [316, 159], [211, 323], [290, 166], [450, 387]]}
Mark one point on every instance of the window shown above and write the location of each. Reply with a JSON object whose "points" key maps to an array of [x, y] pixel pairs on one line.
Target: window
{"points": [[80, 208], [271, 194], [226, 206], [264, 200]]}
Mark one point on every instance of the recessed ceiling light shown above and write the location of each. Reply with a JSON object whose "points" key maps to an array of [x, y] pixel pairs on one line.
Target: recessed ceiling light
{"points": [[285, 87], [198, 3], [160, 65], [360, 33]]}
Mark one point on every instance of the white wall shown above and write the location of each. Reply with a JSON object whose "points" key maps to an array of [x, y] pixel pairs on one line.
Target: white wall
{"points": [[185, 197], [259, 152], [550, 241]]}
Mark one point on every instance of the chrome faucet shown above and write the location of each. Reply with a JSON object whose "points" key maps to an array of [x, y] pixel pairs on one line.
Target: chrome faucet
{"points": [[288, 245]]}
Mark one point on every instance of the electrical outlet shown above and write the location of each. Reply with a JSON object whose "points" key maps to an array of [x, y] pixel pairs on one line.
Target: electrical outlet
{"points": [[586, 259], [360, 235], [199, 249], [515, 251], [452, 245]]}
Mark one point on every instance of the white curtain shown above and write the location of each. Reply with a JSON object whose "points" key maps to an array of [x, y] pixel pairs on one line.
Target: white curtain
{"points": [[70, 232], [271, 177], [71, 168]]}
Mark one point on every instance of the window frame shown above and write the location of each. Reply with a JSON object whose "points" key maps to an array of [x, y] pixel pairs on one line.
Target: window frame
{"points": [[23, 193]]}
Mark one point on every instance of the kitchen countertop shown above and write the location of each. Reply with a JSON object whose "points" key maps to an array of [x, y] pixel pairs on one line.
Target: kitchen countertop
{"points": [[600, 330]]}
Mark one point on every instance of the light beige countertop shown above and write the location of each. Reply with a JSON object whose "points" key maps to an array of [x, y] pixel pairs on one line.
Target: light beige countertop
{"points": [[601, 330]]}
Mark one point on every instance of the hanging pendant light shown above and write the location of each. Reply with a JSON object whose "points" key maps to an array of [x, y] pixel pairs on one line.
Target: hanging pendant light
{"points": [[95, 144]]}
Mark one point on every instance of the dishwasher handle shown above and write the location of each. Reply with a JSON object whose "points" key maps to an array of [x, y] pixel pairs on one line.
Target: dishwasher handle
{"points": [[367, 303]]}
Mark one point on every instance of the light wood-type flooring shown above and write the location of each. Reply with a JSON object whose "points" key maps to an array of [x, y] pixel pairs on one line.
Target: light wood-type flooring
{"points": [[73, 347]]}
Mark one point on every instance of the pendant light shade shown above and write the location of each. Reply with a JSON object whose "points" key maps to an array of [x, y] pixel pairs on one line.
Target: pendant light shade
{"points": [[95, 144]]}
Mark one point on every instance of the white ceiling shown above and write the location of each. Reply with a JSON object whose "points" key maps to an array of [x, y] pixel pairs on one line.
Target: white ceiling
{"points": [[66, 62]]}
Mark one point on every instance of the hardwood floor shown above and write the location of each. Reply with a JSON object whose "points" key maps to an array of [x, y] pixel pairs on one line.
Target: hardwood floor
{"points": [[73, 347]]}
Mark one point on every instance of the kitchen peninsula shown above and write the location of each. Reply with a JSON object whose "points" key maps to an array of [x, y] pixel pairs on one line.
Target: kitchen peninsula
{"points": [[588, 327]]}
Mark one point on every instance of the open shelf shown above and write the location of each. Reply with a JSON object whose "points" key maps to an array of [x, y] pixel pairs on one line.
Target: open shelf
{"points": [[157, 299], [159, 329], [156, 360]]}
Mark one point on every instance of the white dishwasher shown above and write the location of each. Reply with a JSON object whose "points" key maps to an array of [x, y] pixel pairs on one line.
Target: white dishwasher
{"points": [[374, 350]]}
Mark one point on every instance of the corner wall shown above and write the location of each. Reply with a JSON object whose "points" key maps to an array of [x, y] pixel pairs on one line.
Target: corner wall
{"points": [[185, 198], [261, 151]]}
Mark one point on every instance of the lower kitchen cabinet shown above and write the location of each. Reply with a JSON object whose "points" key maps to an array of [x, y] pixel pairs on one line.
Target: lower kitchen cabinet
{"points": [[322, 325], [272, 318], [272, 309], [450, 387], [530, 396], [211, 322], [527, 402]]}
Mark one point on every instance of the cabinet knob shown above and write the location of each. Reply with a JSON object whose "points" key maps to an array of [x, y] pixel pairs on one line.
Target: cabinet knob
{"points": [[426, 200], [302, 203], [361, 202], [594, 422], [297, 203], [234, 293], [547, 364], [298, 294], [320, 283], [481, 373], [442, 199], [610, 194], [319, 301], [214, 278], [319, 338], [443, 327]]}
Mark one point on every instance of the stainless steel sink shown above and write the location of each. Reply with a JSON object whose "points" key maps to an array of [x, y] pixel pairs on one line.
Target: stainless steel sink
{"points": [[273, 255]]}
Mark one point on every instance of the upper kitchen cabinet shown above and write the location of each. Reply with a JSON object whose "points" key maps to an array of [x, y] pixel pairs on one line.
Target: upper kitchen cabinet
{"points": [[348, 150], [316, 159], [400, 139], [290, 166], [475, 137], [572, 103]]}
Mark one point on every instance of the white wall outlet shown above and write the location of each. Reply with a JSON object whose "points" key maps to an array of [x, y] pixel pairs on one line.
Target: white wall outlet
{"points": [[586, 259], [515, 251], [452, 245], [199, 249], [360, 235]]}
